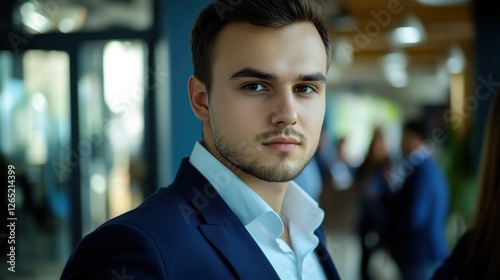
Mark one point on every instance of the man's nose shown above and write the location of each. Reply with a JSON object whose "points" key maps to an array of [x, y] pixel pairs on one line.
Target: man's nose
{"points": [[284, 109]]}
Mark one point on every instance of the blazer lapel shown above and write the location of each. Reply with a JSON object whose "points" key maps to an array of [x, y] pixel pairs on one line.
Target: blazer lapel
{"points": [[239, 249], [325, 258], [221, 227], [226, 233]]}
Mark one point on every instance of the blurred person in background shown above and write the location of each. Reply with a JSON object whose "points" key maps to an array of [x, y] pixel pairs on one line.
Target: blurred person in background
{"points": [[419, 209], [310, 179], [374, 194], [340, 170], [477, 253]]}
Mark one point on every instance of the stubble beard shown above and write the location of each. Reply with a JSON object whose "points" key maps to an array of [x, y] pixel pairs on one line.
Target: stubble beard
{"points": [[243, 156]]}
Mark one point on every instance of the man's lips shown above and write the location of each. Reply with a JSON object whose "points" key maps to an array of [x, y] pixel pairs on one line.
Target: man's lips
{"points": [[283, 144]]}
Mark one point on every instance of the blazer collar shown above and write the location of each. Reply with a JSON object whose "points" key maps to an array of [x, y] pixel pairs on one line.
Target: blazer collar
{"points": [[221, 227], [227, 234], [325, 258]]}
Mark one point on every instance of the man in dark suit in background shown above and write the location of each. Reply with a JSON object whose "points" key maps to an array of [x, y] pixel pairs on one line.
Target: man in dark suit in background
{"points": [[233, 210], [419, 209]]}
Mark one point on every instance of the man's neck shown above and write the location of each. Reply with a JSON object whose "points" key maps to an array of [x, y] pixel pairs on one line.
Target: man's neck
{"points": [[272, 193]]}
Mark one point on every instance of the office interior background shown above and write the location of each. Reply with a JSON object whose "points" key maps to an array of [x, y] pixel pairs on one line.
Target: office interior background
{"points": [[94, 111]]}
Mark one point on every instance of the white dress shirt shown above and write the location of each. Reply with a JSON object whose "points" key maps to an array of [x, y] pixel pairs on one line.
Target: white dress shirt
{"points": [[299, 211]]}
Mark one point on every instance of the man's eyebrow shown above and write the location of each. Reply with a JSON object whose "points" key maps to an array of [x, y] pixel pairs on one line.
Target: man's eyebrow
{"points": [[315, 77], [249, 72]]}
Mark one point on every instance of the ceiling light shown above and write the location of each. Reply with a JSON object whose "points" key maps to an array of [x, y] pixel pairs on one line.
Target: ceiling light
{"points": [[66, 25], [410, 31], [395, 60], [394, 65], [37, 22]]}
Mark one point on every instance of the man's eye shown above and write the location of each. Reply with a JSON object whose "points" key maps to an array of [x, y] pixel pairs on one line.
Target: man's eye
{"points": [[255, 87], [304, 89]]}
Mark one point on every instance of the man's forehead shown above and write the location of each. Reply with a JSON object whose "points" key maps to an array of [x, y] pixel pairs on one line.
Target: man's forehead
{"points": [[243, 45], [236, 28]]}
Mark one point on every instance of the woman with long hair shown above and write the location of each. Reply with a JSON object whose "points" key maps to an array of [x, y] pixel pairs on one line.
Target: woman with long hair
{"points": [[477, 254]]}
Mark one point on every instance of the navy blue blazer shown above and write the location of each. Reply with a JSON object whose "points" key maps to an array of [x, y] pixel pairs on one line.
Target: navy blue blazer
{"points": [[185, 231], [418, 216]]}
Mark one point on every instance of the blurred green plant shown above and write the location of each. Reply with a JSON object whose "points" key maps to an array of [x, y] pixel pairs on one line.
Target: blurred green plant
{"points": [[457, 162]]}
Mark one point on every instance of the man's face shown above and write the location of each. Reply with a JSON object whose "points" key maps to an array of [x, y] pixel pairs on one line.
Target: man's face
{"points": [[267, 101], [379, 152], [408, 142]]}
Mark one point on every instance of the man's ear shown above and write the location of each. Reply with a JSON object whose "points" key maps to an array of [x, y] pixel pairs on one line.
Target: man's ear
{"points": [[198, 97]]}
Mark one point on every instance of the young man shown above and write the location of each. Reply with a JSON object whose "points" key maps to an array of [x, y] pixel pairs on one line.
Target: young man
{"points": [[233, 211]]}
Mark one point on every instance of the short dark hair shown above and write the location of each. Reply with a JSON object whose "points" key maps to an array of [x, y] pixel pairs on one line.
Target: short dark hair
{"points": [[264, 13], [417, 127]]}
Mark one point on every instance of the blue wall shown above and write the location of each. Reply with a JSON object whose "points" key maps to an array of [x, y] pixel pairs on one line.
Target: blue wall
{"points": [[183, 127]]}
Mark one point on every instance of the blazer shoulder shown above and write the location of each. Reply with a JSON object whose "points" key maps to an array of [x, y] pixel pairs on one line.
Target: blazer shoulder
{"points": [[111, 251], [163, 212]]}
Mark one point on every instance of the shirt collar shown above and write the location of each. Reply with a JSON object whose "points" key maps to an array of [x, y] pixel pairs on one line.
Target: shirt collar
{"points": [[298, 206], [301, 209], [242, 200]]}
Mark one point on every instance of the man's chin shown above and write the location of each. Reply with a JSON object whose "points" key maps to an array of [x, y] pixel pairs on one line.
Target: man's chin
{"points": [[276, 174]]}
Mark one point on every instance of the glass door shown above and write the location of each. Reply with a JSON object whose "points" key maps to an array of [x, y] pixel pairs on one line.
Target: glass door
{"points": [[34, 137], [111, 93]]}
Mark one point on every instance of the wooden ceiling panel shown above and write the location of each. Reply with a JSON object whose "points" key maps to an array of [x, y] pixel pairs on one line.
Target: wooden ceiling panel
{"points": [[445, 26]]}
